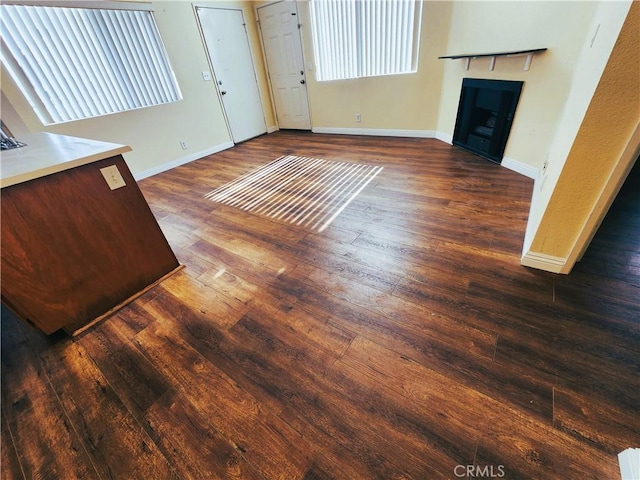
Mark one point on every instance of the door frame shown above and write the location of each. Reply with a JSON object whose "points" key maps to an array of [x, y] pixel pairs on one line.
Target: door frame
{"points": [[266, 63], [195, 7]]}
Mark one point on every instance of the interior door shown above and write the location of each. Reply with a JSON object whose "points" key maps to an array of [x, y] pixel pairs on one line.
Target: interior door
{"points": [[283, 50], [228, 48]]}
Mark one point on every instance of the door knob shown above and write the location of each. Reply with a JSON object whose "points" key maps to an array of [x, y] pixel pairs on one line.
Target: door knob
{"points": [[302, 81], [223, 92]]}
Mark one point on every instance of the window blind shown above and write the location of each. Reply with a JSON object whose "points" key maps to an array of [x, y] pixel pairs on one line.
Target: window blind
{"points": [[363, 38], [75, 63]]}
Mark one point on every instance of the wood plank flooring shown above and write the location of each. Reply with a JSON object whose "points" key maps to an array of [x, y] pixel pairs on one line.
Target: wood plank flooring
{"points": [[403, 342]]}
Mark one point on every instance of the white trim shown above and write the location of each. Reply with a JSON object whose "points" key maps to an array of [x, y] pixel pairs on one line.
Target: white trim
{"points": [[181, 161], [445, 137], [529, 232], [520, 167], [379, 132], [272, 128], [510, 163], [629, 462], [543, 261]]}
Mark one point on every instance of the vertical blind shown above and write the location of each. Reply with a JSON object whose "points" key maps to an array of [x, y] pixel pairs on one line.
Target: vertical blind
{"points": [[75, 63], [363, 38]]}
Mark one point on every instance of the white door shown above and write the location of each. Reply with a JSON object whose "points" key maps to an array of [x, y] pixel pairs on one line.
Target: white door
{"points": [[283, 49], [228, 47]]}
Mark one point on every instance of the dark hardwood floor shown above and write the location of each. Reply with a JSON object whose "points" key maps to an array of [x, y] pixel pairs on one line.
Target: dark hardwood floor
{"points": [[405, 341]]}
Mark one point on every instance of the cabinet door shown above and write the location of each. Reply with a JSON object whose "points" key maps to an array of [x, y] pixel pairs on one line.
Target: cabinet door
{"points": [[73, 249]]}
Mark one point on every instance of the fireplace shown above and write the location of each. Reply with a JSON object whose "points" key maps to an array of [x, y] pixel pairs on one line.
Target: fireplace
{"points": [[485, 115]]}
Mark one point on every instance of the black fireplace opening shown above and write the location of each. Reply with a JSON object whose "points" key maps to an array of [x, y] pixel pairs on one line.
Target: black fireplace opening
{"points": [[485, 115]]}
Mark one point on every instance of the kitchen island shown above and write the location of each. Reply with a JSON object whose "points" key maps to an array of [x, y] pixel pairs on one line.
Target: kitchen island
{"points": [[78, 239]]}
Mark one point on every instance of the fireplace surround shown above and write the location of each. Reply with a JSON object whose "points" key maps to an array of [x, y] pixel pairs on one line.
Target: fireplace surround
{"points": [[485, 115]]}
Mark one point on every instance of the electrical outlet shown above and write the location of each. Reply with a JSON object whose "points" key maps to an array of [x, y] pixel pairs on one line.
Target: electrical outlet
{"points": [[183, 144], [112, 176], [358, 117], [206, 76]]}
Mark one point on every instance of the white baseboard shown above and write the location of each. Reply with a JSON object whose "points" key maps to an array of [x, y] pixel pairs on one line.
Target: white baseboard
{"points": [[629, 462], [444, 137], [379, 132], [545, 262], [510, 163], [519, 167], [181, 161], [272, 128]]}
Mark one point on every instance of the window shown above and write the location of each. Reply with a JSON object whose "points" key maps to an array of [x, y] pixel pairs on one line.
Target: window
{"points": [[75, 63], [365, 38]]}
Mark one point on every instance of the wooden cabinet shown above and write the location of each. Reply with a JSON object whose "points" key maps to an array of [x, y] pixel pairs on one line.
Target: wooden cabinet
{"points": [[73, 249]]}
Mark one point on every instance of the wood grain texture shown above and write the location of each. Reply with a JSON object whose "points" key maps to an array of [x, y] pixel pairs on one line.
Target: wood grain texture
{"points": [[400, 343], [72, 249], [38, 429]]}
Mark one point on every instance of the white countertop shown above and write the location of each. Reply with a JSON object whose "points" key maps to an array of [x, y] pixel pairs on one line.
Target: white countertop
{"points": [[48, 153]]}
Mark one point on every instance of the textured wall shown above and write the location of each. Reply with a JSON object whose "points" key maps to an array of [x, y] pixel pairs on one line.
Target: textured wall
{"points": [[610, 120]]}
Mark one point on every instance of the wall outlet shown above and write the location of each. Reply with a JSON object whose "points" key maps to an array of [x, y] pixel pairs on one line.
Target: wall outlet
{"points": [[545, 165], [358, 117], [183, 144], [206, 76], [112, 176]]}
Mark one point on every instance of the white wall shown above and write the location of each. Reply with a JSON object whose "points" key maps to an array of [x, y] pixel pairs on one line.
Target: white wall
{"points": [[586, 150]]}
